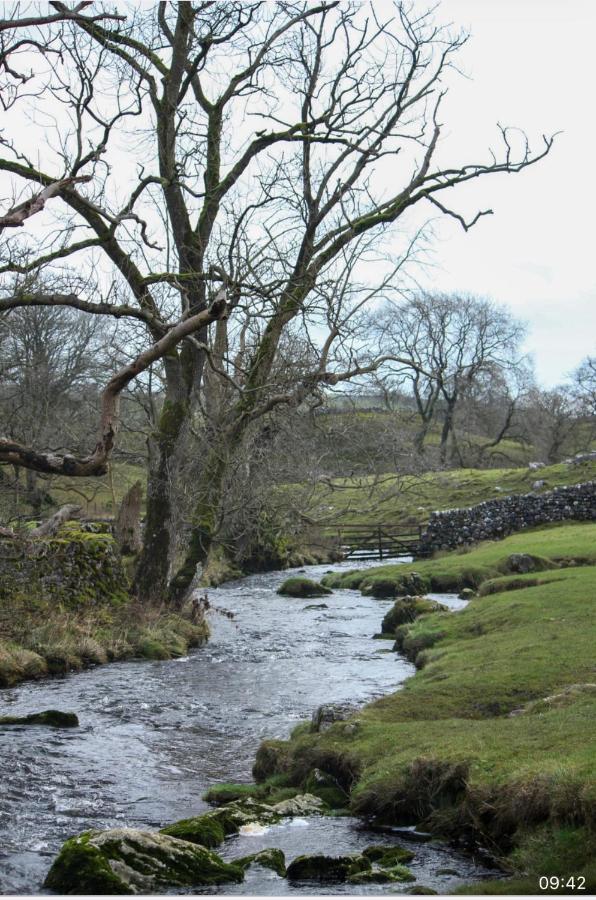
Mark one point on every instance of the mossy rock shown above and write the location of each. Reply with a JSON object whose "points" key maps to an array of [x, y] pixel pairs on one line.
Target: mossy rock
{"points": [[300, 805], [247, 811], [128, 861], [303, 587], [388, 855], [317, 867], [407, 610], [422, 889], [209, 830], [54, 718], [271, 858], [382, 876], [407, 584]]}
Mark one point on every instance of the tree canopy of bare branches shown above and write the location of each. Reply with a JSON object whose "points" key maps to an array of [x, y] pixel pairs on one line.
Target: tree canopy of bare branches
{"points": [[225, 175]]}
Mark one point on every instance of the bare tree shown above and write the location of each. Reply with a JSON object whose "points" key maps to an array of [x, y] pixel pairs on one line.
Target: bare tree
{"points": [[257, 141], [443, 344], [584, 385]]}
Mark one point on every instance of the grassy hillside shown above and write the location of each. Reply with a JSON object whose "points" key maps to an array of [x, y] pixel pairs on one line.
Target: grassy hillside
{"points": [[409, 500], [494, 736]]}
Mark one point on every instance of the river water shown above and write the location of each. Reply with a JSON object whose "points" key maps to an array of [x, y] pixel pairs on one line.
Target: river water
{"points": [[154, 736]]}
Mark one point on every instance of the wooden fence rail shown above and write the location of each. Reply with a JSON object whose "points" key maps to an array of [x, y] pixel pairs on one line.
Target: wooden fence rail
{"points": [[377, 541]]}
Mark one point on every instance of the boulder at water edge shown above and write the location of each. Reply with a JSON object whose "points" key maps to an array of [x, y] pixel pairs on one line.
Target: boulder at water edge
{"points": [[303, 587], [128, 861], [271, 858], [316, 867], [54, 718]]}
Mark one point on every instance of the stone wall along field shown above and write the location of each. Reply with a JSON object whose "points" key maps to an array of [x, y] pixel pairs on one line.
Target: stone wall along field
{"points": [[495, 519]]}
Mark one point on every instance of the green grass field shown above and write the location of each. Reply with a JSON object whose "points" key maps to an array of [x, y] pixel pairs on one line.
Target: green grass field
{"points": [[409, 500], [495, 734]]}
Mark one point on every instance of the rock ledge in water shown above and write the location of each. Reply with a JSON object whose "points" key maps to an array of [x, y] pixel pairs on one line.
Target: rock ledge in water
{"points": [[51, 717], [128, 861], [317, 867], [271, 858], [301, 805]]}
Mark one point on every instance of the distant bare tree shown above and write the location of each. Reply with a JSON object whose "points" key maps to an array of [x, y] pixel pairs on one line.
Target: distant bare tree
{"points": [[584, 385], [551, 422], [443, 344]]}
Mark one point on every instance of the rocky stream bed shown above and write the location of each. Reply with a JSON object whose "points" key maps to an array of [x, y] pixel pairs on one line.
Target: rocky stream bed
{"points": [[154, 736]]}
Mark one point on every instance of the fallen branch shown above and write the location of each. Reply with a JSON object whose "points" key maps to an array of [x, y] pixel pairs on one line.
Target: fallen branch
{"points": [[51, 525]]}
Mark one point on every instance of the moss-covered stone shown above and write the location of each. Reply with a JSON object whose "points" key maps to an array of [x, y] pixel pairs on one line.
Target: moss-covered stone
{"points": [[380, 876], [81, 868], [72, 567], [128, 861], [317, 867], [303, 587], [387, 855], [271, 858], [406, 609], [406, 584], [209, 830], [249, 811], [51, 717], [300, 805]]}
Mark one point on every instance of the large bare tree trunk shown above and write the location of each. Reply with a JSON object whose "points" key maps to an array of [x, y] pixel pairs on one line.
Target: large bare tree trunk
{"points": [[206, 515], [159, 547]]}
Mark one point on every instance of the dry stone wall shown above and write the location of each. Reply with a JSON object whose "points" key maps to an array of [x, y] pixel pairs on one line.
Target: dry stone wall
{"points": [[495, 519], [77, 566]]}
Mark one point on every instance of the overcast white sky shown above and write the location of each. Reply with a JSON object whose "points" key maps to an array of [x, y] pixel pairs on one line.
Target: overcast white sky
{"points": [[530, 64]]}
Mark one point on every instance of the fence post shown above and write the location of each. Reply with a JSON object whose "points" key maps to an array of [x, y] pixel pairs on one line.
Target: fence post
{"points": [[380, 538]]}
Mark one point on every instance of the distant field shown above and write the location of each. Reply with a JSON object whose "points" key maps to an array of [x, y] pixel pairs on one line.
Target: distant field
{"points": [[409, 500], [387, 499]]}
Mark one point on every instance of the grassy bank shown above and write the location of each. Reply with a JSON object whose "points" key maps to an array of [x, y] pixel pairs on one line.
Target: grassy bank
{"points": [[492, 740], [39, 640]]}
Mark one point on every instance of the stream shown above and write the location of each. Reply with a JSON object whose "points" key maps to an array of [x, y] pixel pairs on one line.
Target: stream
{"points": [[155, 735]]}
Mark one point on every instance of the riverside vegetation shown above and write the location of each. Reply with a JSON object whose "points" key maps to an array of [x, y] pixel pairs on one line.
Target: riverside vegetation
{"points": [[65, 605], [491, 742]]}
